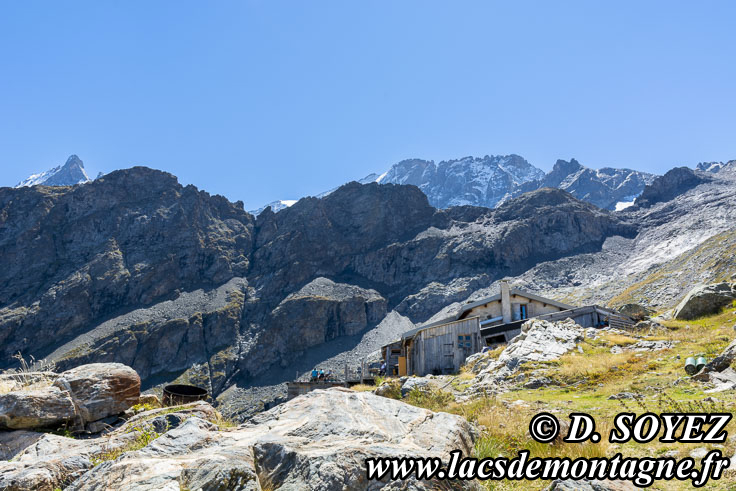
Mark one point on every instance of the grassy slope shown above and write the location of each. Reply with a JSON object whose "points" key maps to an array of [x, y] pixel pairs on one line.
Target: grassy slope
{"points": [[587, 380]]}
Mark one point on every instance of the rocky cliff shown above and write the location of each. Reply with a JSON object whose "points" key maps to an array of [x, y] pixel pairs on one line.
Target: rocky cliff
{"points": [[178, 284], [605, 188], [484, 181]]}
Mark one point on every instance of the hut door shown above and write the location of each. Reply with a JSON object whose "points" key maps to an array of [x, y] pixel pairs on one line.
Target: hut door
{"points": [[448, 358]]}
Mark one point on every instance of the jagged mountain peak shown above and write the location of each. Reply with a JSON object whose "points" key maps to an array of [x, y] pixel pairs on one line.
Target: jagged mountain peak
{"points": [[69, 174], [480, 181], [714, 167], [491, 180]]}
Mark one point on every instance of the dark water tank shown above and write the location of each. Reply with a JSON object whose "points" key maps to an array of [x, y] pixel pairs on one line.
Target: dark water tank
{"points": [[177, 394]]}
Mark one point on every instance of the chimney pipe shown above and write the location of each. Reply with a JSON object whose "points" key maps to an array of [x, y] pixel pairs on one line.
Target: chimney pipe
{"points": [[505, 301]]}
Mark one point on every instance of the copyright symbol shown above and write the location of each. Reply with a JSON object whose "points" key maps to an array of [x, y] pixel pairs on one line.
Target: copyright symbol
{"points": [[544, 427]]}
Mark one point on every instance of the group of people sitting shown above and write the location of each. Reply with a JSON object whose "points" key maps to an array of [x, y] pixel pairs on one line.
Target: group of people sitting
{"points": [[321, 375]]}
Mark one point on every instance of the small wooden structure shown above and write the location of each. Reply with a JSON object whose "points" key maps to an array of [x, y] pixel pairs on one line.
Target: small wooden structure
{"points": [[435, 349], [443, 346]]}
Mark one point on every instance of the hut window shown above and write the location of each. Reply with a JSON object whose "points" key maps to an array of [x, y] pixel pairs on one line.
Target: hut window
{"points": [[524, 314]]}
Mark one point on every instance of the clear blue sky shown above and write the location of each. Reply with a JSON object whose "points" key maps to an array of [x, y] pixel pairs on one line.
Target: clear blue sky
{"points": [[260, 100]]}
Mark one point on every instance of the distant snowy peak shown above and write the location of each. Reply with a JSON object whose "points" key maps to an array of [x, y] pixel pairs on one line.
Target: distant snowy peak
{"points": [[714, 167], [609, 188], [69, 174], [274, 205], [485, 181], [491, 180]]}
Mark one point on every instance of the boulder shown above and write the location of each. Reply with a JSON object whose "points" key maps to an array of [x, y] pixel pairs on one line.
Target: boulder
{"points": [[649, 346], [316, 441], [636, 311], [39, 408], [705, 300], [78, 396], [723, 360], [385, 389], [13, 442], [538, 383], [418, 383], [100, 390], [622, 395]]}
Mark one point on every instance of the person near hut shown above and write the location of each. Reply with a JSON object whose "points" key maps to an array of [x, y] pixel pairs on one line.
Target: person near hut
{"points": [[315, 374]]}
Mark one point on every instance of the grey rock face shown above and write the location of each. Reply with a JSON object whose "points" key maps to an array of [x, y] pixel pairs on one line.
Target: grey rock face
{"points": [[38, 408], [320, 311], [604, 187], [177, 284], [705, 300], [673, 183], [75, 256], [316, 441], [469, 181]]}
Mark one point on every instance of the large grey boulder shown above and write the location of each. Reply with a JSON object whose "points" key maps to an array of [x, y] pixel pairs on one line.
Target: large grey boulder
{"points": [[705, 300], [77, 396], [316, 441], [100, 390], [414, 383], [39, 408]]}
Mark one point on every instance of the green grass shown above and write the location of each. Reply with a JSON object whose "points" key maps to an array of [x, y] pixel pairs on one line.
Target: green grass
{"points": [[585, 382], [144, 436]]}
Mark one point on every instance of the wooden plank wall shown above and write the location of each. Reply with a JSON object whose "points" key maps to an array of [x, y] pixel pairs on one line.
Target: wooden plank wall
{"points": [[436, 350]]}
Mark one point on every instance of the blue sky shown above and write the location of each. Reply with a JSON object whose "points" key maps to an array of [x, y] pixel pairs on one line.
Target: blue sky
{"points": [[260, 100]]}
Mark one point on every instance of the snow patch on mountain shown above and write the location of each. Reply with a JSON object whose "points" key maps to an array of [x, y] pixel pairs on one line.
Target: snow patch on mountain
{"points": [[69, 174], [492, 180], [275, 206], [485, 181]]}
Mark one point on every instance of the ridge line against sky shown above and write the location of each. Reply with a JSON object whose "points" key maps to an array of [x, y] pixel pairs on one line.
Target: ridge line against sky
{"points": [[260, 101]]}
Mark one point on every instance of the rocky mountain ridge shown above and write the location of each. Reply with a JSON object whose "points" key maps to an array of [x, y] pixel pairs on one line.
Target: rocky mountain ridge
{"points": [[491, 180], [181, 285], [135, 268]]}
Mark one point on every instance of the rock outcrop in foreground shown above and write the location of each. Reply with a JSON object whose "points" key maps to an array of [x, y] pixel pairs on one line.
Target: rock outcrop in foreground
{"points": [[540, 340], [316, 441]]}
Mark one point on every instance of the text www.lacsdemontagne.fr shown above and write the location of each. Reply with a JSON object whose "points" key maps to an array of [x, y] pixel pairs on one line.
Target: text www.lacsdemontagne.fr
{"points": [[640, 471]]}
